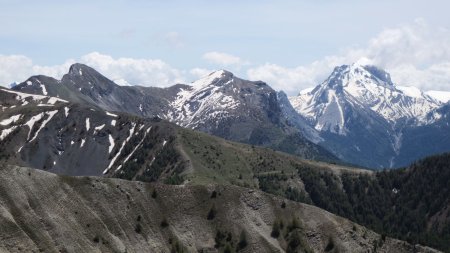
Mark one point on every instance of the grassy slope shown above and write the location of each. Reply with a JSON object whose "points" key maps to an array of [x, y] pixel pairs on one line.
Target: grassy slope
{"points": [[220, 161], [418, 214]]}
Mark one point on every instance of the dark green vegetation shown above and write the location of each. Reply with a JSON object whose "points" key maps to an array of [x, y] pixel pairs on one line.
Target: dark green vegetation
{"points": [[412, 204]]}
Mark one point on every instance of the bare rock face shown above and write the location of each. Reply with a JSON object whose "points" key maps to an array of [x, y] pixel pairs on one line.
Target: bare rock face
{"points": [[40, 211]]}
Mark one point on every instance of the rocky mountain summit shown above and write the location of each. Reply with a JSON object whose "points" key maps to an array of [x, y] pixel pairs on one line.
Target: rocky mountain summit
{"points": [[364, 117]]}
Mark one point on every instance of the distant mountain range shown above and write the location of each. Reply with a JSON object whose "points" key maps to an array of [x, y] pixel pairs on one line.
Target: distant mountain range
{"points": [[82, 125], [357, 114], [219, 104]]}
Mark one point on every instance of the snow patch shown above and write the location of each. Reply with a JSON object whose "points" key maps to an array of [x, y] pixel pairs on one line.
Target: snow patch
{"points": [[66, 111], [88, 124], [134, 150], [111, 114], [53, 100], [44, 90], [10, 120], [31, 121], [6, 132], [111, 143], [98, 128], [133, 126], [23, 96], [50, 116]]}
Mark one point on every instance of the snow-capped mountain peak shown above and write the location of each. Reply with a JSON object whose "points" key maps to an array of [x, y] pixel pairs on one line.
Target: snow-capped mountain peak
{"points": [[357, 86], [204, 99], [213, 78]]}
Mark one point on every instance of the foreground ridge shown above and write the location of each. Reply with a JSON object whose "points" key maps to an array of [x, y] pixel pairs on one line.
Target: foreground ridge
{"points": [[161, 218]]}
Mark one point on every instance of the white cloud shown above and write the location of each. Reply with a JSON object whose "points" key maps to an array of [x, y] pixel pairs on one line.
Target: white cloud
{"points": [[198, 73], [14, 68], [17, 68], [146, 72], [293, 80], [126, 71], [223, 59], [415, 55]]}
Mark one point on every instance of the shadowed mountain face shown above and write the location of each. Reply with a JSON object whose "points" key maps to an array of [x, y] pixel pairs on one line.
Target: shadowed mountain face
{"points": [[43, 211], [219, 104]]}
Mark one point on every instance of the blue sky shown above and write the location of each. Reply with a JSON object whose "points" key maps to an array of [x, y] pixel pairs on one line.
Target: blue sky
{"points": [[291, 41]]}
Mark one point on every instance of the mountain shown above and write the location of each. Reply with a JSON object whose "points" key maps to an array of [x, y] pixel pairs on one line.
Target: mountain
{"points": [[358, 115], [57, 136], [84, 85], [220, 104], [45, 212], [365, 86], [431, 137], [361, 115]]}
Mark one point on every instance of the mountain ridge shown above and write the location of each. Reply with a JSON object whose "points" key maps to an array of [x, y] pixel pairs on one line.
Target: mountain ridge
{"points": [[220, 104], [357, 115]]}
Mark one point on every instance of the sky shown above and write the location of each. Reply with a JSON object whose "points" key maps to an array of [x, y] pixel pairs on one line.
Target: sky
{"points": [[291, 45]]}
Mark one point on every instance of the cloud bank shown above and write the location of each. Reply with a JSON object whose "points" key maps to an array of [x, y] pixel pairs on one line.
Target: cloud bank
{"points": [[124, 71], [415, 54]]}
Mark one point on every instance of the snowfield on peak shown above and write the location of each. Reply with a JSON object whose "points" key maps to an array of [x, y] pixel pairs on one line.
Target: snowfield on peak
{"points": [[203, 100], [364, 87], [443, 96]]}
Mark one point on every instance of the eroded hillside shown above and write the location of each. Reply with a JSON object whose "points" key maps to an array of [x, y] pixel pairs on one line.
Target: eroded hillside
{"points": [[46, 212]]}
